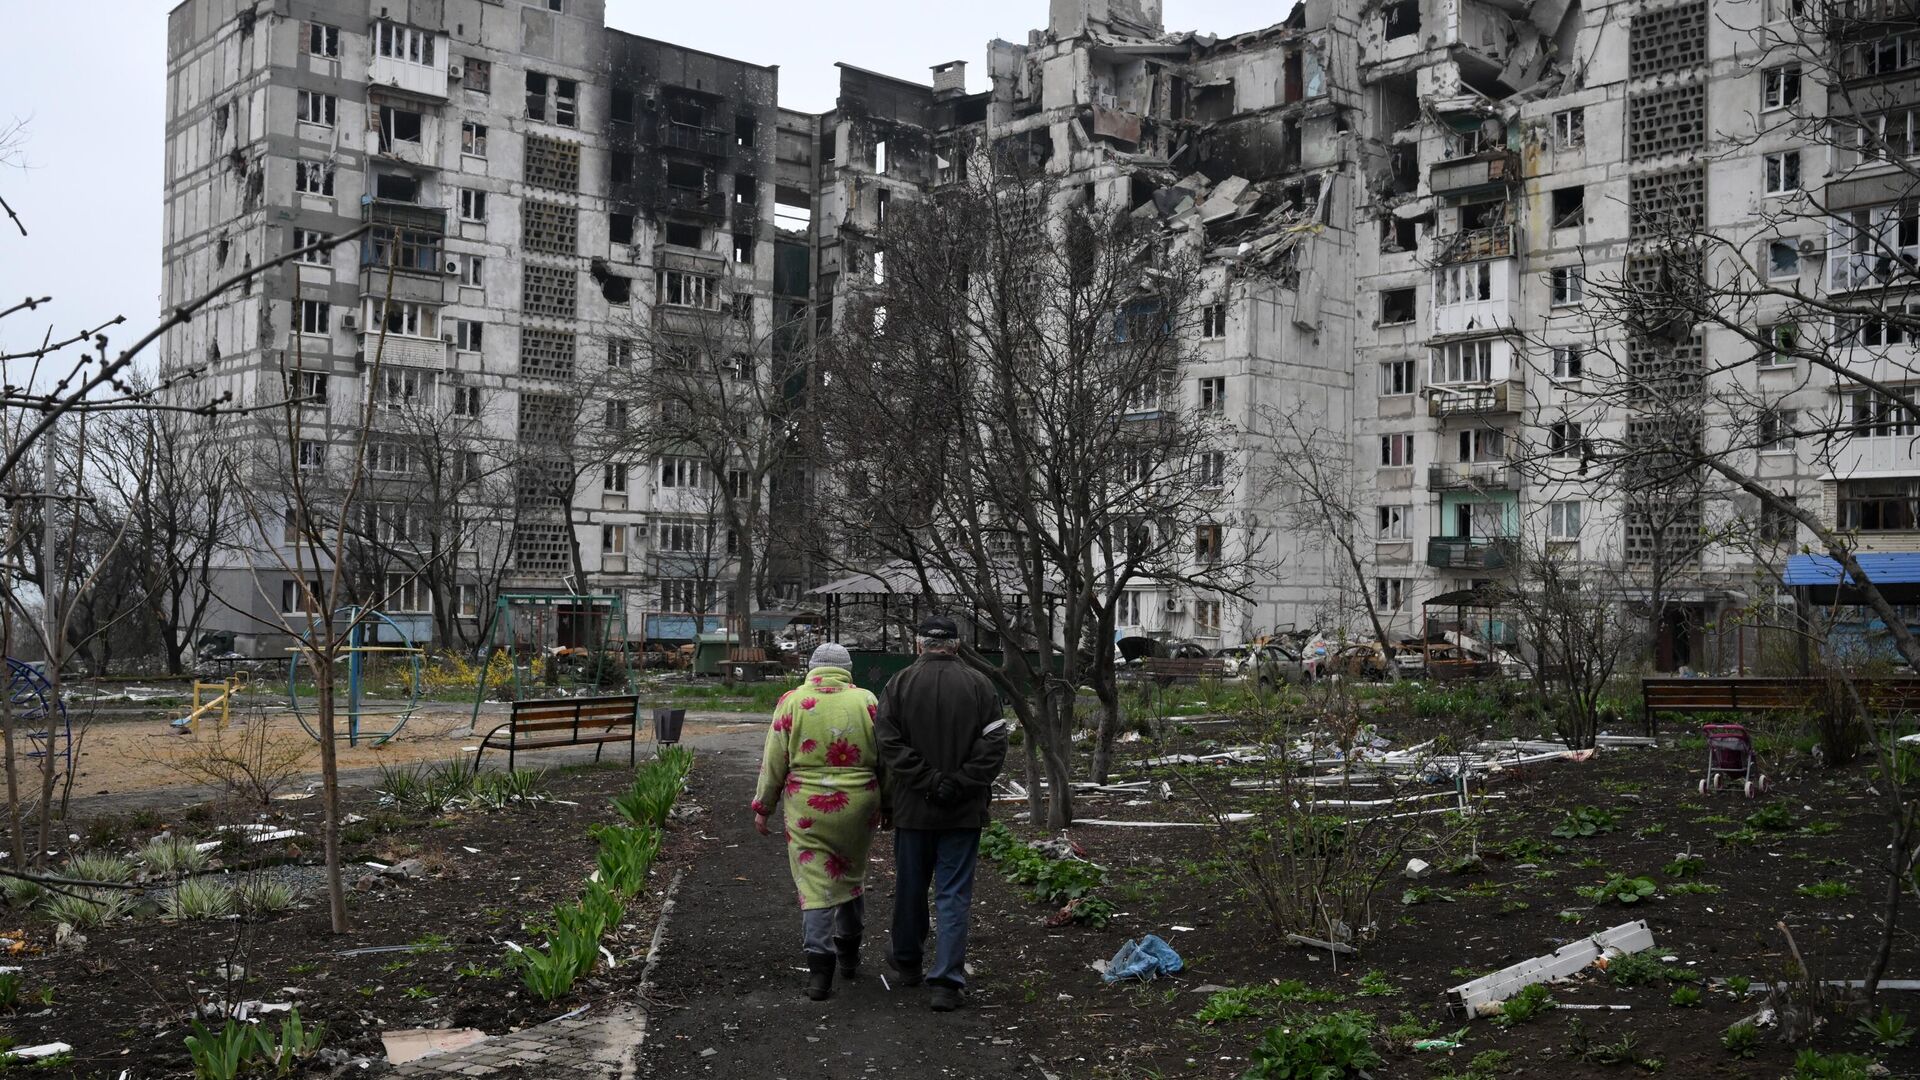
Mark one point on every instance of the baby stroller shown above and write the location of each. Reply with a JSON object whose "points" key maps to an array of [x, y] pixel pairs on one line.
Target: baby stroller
{"points": [[1729, 754]]}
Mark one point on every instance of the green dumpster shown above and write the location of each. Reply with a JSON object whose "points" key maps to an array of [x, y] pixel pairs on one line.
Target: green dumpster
{"points": [[710, 653]]}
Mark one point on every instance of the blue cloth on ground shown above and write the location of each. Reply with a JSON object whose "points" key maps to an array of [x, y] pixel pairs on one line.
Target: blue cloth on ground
{"points": [[1148, 958]]}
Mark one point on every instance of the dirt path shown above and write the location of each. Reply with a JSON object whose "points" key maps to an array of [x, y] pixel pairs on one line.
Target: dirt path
{"points": [[728, 988]]}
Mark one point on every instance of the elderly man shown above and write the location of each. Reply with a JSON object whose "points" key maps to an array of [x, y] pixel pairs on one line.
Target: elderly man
{"points": [[942, 739]]}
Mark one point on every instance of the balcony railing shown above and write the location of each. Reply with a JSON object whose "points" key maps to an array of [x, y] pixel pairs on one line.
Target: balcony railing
{"points": [[1487, 168], [1469, 552], [1472, 400], [1473, 475], [687, 201], [1492, 242], [693, 139]]}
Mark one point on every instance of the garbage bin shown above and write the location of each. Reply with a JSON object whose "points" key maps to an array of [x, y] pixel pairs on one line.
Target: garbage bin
{"points": [[667, 724]]}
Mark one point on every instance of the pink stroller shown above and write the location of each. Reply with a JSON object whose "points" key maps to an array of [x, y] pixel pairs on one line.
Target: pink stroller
{"points": [[1730, 753]]}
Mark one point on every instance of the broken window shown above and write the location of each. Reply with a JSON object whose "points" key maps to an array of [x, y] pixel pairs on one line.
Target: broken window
{"points": [[686, 176], [1566, 439], [1398, 378], [622, 107], [322, 40], [742, 311], [399, 125], [473, 139], [742, 248], [1396, 306], [1783, 172], [1213, 103], [1569, 207], [403, 318], [1568, 284], [316, 108], [620, 166], [792, 209], [313, 177], [881, 198], [467, 336], [1781, 89], [1396, 450], [316, 317], [681, 289], [1569, 128], [689, 236], [479, 77], [1392, 522], [1478, 446], [396, 187], [743, 130], [1213, 321], [1783, 260], [1399, 234], [620, 228], [1206, 543], [1293, 79], [1462, 362], [1784, 342], [403, 249], [1482, 215], [746, 190], [1399, 19], [879, 268], [1569, 362], [551, 90], [473, 205], [405, 43], [880, 157], [1213, 393], [303, 238]]}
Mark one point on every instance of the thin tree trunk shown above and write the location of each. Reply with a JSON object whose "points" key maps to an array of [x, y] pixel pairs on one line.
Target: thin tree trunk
{"points": [[15, 822], [330, 791], [1036, 805]]}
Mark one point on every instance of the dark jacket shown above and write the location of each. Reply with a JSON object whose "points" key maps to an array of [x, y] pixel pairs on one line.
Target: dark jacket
{"points": [[932, 724]]}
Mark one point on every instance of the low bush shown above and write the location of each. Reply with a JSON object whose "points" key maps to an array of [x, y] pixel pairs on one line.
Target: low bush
{"points": [[1238, 1002], [258, 896], [1315, 1048], [1814, 1065], [1619, 889], [84, 909], [198, 898], [1585, 821], [100, 867], [626, 854], [171, 856], [1530, 1001]]}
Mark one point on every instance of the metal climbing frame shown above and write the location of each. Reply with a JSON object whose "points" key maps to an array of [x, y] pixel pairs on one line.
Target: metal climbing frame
{"points": [[527, 625], [359, 649], [37, 707]]}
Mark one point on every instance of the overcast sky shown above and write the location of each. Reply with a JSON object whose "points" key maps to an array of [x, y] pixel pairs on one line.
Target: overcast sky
{"points": [[90, 194]]}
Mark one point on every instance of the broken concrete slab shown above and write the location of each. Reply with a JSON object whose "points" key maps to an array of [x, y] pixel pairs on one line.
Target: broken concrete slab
{"points": [[1482, 996], [412, 1044]]}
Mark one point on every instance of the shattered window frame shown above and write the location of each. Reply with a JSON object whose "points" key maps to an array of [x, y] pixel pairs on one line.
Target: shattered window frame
{"points": [[316, 108], [1393, 521], [1782, 172], [1390, 593], [1780, 87], [322, 40], [1399, 378], [473, 139], [1396, 450], [1569, 363], [1570, 128], [1783, 340]]}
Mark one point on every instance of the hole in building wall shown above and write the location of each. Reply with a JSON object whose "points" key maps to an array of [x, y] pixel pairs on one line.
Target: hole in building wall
{"points": [[620, 228], [746, 190], [620, 166], [742, 248], [1213, 103], [221, 248], [1396, 306], [688, 236], [398, 187], [1569, 206], [621, 107], [686, 176], [1400, 19], [743, 130]]}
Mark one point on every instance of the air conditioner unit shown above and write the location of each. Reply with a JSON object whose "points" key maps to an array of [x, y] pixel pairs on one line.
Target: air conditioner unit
{"points": [[350, 321], [456, 71], [1809, 246], [448, 338], [453, 267], [1174, 604]]}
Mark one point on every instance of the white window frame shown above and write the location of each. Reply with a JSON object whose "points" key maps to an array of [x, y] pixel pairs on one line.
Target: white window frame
{"points": [[683, 538], [1207, 618], [1772, 357], [1566, 440], [307, 238], [1563, 519], [1777, 430], [1461, 363], [1389, 593], [316, 318], [309, 385], [398, 387], [1775, 168], [682, 472], [1766, 255], [1213, 469], [313, 178], [1213, 393], [321, 40], [1780, 87], [613, 540], [613, 478], [1399, 378], [1567, 285], [407, 593], [1396, 450], [388, 458], [1480, 445], [1569, 363], [417, 320], [314, 107], [473, 205], [1213, 322], [1570, 128], [407, 44], [311, 454], [683, 289], [468, 335], [1393, 521], [473, 139], [473, 271], [466, 401]]}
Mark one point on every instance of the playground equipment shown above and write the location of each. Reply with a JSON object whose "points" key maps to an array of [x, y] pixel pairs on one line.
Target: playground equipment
{"points": [[358, 650], [529, 627], [38, 708], [223, 701]]}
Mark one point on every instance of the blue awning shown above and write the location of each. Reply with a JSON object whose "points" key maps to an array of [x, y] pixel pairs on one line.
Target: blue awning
{"points": [[1884, 568]]}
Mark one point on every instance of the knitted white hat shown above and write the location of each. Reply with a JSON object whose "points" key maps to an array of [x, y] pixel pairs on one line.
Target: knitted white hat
{"points": [[831, 654]]}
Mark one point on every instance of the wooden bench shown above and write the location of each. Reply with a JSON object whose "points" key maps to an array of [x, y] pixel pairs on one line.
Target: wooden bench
{"points": [[1762, 694], [550, 723], [1165, 670]]}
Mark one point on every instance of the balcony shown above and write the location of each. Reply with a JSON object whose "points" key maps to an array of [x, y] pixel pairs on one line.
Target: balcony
{"points": [[1493, 242], [1469, 553], [1488, 168], [1492, 398], [426, 80], [1472, 476], [399, 351], [689, 202], [696, 140]]}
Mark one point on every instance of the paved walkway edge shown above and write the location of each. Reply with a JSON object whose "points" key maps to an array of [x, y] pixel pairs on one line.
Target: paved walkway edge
{"points": [[630, 1064]]}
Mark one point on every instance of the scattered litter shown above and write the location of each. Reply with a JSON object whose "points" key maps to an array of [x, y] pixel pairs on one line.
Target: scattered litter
{"points": [[1437, 1044], [43, 1050], [293, 796], [1482, 996], [1148, 958], [1164, 824], [708, 1052], [470, 850], [581, 1011], [412, 1044], [1181, 929], [252, 834], [368, 950], [1416, 868], [1316, 943], [1594, 1008], [352, 819]]}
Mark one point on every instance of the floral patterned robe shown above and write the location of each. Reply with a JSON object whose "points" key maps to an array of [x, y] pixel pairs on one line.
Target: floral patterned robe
{"points": [[820, 754]]}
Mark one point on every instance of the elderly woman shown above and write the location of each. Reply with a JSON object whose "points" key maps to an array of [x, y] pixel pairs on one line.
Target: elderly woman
{"points": [[820, 754]]}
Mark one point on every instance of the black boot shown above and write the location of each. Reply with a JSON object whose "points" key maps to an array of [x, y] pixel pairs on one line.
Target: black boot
{"points": [[820, 975], [848, 950]]}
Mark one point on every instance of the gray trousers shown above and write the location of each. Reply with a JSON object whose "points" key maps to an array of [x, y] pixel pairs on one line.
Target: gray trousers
{"points": [[819, 926]]}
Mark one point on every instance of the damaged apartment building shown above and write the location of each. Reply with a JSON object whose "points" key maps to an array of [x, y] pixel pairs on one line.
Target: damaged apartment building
{"points": [[1395, 204]]}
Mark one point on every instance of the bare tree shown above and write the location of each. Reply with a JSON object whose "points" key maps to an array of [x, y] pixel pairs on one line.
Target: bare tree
{"points": [[999, 407], [1574, 627]]}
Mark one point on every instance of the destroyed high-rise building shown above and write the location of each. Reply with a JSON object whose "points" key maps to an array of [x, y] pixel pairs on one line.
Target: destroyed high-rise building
{"points": [[1398, 203]]}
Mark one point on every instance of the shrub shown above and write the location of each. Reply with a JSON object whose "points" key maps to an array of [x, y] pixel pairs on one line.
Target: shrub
{"points": [[1771, 818], [84, 909], [99, 867], [1826, 890], [169, 856], [1635, 969], [257, 896], [1585, 821], [10, 984], [1814, 1065], [495, 790], [1530, 1001], [1742, 1040], [198, 898], [1315, 1048], [1685, 866], [1888, 1028], [1684, 997], [1619, 889], [21, 892], [1236, 1002]]}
